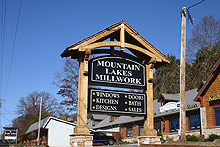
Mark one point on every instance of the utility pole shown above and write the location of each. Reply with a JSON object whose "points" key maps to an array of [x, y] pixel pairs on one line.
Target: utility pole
{"points": [[182, 78], [38, 135]]}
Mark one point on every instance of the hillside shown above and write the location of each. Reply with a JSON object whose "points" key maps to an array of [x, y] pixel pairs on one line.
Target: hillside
{"points": [[167, 78]]}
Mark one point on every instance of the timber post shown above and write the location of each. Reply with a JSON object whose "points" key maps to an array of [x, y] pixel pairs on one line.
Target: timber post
{"points": [[82, 136], [149, 119], [81, 127]]}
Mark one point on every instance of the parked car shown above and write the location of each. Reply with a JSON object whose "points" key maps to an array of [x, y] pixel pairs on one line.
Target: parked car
{"points": [[99, 137], [4, 143]]}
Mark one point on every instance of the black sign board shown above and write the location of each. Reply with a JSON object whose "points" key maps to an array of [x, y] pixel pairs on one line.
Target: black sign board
{"points": [[116, 71], [214, 100], [117, 102]]}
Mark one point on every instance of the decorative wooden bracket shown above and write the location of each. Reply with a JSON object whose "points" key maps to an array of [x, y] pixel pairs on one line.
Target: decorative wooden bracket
{"points": [[150, 76], [152, 60], [86, 67]]}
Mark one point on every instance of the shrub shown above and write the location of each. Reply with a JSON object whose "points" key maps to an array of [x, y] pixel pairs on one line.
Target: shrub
{"points": [[159, 134], [212, 137], [192, 138]]}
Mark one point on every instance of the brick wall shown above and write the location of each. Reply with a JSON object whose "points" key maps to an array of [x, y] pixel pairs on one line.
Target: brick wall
{"points": [[135, 129], [213, 90]]}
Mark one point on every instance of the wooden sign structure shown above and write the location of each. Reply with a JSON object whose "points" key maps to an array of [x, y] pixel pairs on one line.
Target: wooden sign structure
{"points": [[124, 36], [117, 72]]}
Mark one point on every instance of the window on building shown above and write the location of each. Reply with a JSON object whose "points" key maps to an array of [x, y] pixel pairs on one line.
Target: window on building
{"points": [[157, 126], [129, 131], [111, 119], [194, 122], [141, 127], [174, 124], [217, 116]]}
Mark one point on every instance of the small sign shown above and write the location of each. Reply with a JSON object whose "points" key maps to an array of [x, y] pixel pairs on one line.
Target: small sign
{"points": [[169, 106], [116, 71], [191, 106], [214, 100], [117, 102]]}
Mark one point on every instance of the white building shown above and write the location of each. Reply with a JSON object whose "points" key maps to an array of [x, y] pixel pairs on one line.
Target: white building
{"points": [[54, 132]]}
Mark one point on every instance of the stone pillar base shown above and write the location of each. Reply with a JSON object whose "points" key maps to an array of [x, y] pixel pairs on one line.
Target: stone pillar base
{"points": [[81, 140], [148, 140]]}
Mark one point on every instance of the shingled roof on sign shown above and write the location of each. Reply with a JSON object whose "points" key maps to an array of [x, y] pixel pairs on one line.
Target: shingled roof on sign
{"points": [[134, 42]]}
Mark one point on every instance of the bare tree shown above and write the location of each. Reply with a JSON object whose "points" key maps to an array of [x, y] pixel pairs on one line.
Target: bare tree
{"points": [[31, 104], [205, 35], [67, 81], [28, 109]]}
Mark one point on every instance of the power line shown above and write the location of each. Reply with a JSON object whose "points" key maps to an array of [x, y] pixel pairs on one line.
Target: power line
{"points": [[8, 111], [4, 6], [195, 4], [4, 10], [6, 119], [13, 47], [188, 13]]}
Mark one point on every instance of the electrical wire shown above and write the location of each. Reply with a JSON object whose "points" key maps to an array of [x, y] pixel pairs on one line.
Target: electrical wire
{"points": [[195, 4], [6, 119], [188, 13], [3, 28], [4, 7], [13, 47], [8, 112]]}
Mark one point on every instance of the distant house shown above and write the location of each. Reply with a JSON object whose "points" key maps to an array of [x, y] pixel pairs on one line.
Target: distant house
{"points": [[95, 119], [166, 119], [106, 127], [54, 132]]}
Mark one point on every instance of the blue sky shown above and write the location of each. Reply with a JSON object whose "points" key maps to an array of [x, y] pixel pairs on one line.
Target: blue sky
{"points": [[47, 27]]}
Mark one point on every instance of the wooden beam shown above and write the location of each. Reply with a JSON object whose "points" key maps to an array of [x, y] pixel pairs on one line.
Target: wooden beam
{"points": [[146, 44], [114, 43], [104, 51], [152, 60], [122, 37], [94, 38]]}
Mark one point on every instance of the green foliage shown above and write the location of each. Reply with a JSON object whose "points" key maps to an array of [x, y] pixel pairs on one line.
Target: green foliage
{"points": [[212, 137], [35, 118], [192, 138], [159, 134], [205, 52], [169, 139], [166, 78]]}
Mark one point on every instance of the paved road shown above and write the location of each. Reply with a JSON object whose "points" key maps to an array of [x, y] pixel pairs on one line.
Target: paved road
{"points": [[127, 145]]}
